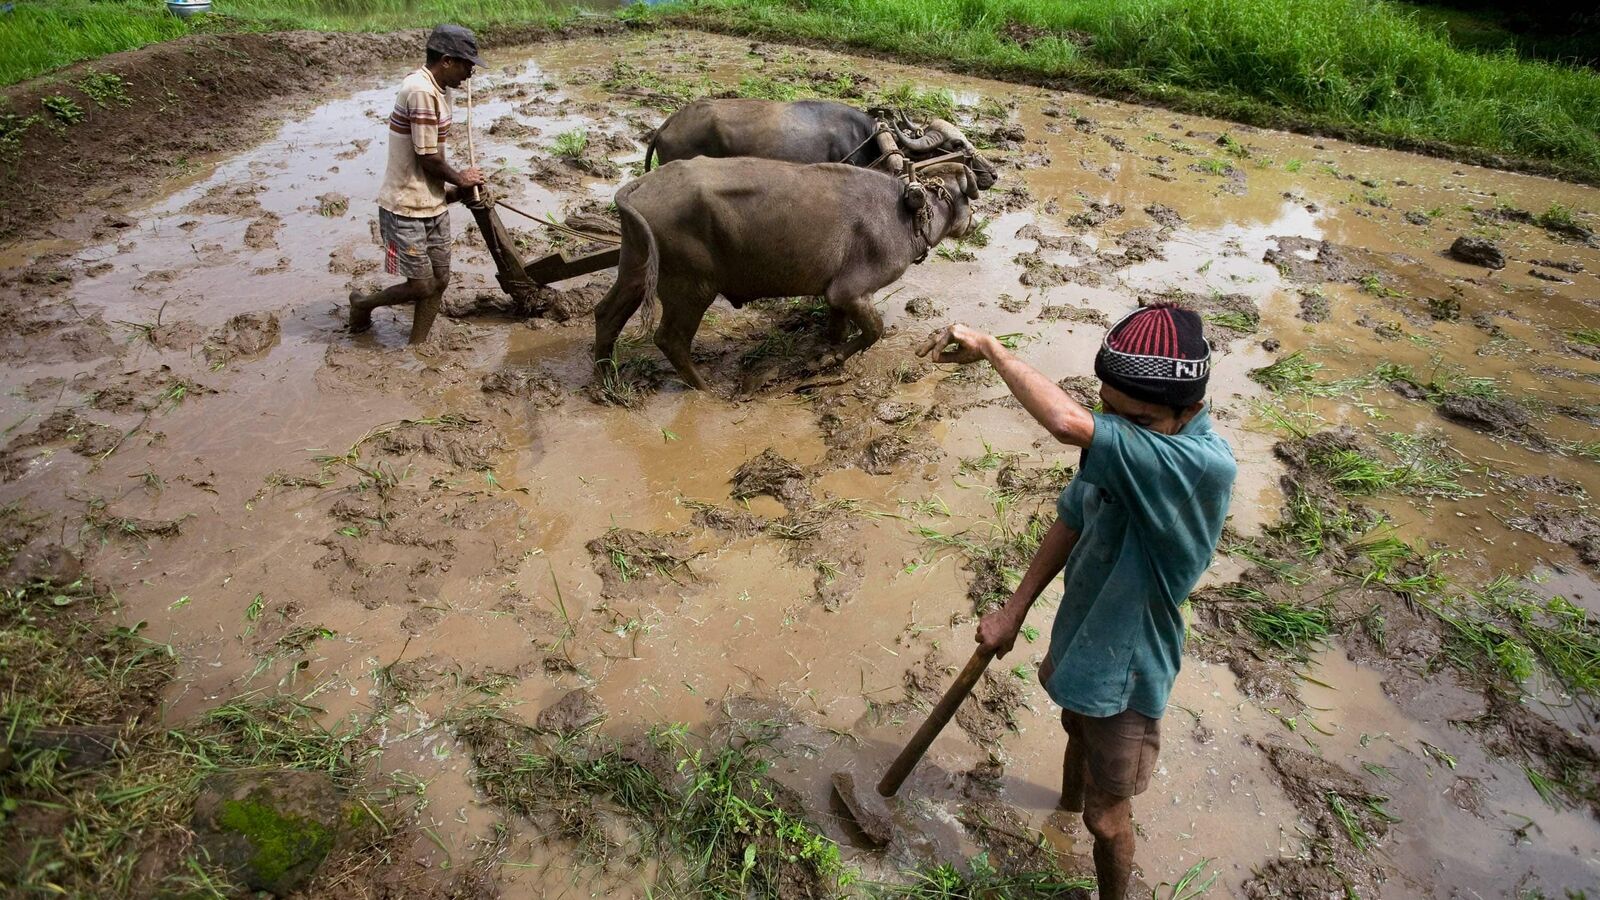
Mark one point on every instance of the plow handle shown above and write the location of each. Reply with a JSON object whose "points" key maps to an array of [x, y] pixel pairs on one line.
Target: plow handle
{"points": [[937, 719]]}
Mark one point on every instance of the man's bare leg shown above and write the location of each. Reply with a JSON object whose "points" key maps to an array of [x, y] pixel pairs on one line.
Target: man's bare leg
{"points": [[1110, 819], [428, 307]]}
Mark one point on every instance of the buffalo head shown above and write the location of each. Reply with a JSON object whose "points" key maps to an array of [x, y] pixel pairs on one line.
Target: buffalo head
{"points": [[942, 137], [960, 184]]}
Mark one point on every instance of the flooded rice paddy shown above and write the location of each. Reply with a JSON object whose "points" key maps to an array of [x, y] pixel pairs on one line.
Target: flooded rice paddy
{"points": [[401, 534]]}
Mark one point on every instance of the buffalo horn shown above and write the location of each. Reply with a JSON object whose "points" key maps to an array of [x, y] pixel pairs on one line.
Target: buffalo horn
{"points": [[931, 138]]}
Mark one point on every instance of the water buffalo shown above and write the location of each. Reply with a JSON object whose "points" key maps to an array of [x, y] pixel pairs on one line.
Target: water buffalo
{"points": [[804, 131], [751, 228]]}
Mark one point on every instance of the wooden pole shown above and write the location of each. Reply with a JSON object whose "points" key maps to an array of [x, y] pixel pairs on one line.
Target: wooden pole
{"points": [[940, 717], [472, 155]]}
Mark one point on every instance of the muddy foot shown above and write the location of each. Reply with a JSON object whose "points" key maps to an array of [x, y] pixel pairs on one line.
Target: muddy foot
{"points": [[360, 316]]}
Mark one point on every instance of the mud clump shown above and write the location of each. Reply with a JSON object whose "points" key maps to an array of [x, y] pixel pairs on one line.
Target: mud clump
{"points": [[1491, 415], [769, 473], [1064, 313], [1477, 251], [987, 713], [65, 426], [1347, 820], [883, 454], [1096, 215], [1309, 260], [526, 383], [1165, 216], [244, 336], [1574, 528], [461, 441], [624, 557], [578, 710], [332, 204], [262, 234], [922, 308]]}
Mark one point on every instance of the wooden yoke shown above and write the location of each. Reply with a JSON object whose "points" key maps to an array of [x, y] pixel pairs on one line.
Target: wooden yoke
{"points": [[894, 160]]}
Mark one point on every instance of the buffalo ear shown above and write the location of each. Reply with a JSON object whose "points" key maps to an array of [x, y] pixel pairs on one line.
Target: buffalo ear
{"points": [[916, 197], [969, 184]]}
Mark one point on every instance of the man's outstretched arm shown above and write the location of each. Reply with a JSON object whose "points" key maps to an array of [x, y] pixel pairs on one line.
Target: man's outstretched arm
{"points": [[997, 631], [1065, 418]]}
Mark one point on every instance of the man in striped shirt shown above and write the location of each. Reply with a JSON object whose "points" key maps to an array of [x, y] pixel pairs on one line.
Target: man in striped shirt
{"points": [[419, 184]]}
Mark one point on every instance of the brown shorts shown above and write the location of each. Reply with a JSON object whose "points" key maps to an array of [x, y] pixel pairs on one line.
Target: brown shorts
{"points": [[1118, 752]]}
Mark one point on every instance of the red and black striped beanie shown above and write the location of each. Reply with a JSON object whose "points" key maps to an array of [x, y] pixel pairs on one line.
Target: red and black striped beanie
{"points": [[1157, 354]]}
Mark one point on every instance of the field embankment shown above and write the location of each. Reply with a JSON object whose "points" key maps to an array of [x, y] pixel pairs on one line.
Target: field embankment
{"points": [[1366, 70]]}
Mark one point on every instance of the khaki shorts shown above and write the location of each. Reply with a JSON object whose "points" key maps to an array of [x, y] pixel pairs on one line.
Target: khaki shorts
{"points": [[1118, 752], [414, 248]]}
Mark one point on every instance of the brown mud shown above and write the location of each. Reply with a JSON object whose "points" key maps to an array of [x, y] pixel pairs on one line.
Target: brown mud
{"points": [[411, 534]]}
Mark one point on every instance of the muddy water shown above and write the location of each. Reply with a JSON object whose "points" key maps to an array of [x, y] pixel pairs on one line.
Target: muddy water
{"points": [[494, 597]]}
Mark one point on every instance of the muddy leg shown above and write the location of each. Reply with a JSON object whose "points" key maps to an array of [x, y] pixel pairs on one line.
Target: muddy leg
{"points": [[681, 313], [1110, 819], [412, 290], [860, 311], [428, 307]]}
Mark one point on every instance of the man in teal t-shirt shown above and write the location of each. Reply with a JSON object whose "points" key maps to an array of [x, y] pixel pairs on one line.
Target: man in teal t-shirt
{"points": [[1134, 531]]}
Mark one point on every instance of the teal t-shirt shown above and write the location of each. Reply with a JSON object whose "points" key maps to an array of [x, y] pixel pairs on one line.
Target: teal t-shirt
{"points": [[1148, 509]]}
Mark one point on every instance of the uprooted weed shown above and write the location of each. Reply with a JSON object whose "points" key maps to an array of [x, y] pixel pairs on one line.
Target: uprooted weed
{"points": [[708, 817], [998, 557]]}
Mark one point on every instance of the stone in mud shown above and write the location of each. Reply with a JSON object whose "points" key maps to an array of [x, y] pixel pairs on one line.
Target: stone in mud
{"points": [[268, 830], [79, 746], [1478, 251], [578, 710], [1417, 218], [769, 473], [243, 336], [923, 308], [1546, 276]]}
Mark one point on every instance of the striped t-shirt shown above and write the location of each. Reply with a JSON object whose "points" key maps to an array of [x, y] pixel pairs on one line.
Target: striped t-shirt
{"points": [[418, 125]]}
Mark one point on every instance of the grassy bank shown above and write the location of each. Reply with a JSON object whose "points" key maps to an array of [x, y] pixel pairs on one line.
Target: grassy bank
{"points": [[41, 36], [1368, 69], [1363, 67]]}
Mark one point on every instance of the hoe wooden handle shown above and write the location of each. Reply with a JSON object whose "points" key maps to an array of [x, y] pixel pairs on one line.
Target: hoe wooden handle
{"points": [[940, 717]]}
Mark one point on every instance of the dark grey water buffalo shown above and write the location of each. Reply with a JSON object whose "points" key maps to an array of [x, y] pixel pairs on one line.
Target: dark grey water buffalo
{"points": [[803, 131], [751, 228]]}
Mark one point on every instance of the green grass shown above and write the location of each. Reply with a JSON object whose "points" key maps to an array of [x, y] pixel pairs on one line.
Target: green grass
{"points": [[1421, 469], [44, 35], [1368, 65], [1296, 374], [1288, 628], [571, 144]]}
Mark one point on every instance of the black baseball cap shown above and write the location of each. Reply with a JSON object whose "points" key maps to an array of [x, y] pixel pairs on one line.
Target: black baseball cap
{"points": [[453, 40]]}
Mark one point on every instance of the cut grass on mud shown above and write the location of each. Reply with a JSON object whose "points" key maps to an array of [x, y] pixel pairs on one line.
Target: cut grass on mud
{"points": [[98, 793], [700, 814]]}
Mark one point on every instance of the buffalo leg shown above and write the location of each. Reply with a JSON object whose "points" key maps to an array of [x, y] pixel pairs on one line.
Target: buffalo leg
{"points": [[860, 311], [681, 312], [838, 325], [610, 315]]}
